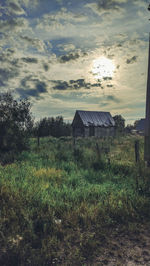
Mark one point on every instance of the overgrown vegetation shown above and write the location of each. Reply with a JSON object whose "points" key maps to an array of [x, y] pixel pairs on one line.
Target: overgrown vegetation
{"points": [[59, 200]]}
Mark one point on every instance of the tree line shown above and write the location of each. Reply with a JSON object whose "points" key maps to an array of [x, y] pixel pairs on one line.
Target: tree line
{"points": [[50, 126]]}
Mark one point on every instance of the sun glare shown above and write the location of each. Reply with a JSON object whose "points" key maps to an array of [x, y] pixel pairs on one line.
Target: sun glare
{"points": [[103, 67]]}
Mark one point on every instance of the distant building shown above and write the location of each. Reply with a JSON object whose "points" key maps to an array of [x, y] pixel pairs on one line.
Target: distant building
{"points": [[92, 123], [140, 126]]}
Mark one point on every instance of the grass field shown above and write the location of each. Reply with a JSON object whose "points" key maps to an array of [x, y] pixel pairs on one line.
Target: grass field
{"points": [[59, 200]]}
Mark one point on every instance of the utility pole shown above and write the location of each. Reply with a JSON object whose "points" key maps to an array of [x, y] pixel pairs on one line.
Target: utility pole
{"points": [[147, 119]]}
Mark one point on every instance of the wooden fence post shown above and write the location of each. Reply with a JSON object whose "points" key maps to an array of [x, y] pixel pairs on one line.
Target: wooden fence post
{"points": [[137, 159], [74, 141], [137, 154]]}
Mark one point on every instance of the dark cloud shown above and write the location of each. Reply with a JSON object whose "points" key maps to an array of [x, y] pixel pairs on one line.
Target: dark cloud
{"points": [[109, 85], [24, 80], [107, 78], [41, 86], [46, 67], [28, 93], [72, 56], [8, 57], [61, 85], [12, 24], [132, 60], [74, 85], [30, 60], [69, 57], [31, 87], [7, 74], [110, 5], [14, 8], [112, 98]]}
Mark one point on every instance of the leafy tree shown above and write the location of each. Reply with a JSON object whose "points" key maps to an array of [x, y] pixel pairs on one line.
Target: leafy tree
{"points": [[136, 122], [129, 128], [119, 123], [15, 123]]}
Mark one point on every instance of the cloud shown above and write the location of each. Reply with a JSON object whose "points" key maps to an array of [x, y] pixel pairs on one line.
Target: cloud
{"points": [[132, 60], [31, 87], [113, 98], [67, 47], [74, 85], [13, 24], [110, 5], [7, 74], [30, 60], [14, 8], [46, 67], [107, 78], [36, 43], [58, 20], [107, 7], [69, 57]]}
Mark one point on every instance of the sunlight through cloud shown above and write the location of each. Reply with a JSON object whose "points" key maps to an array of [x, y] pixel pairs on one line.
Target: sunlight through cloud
{"points": [[103, 67]]}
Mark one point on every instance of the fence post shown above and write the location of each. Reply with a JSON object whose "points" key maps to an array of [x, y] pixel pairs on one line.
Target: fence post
{"points": [[137, 154], [74, 142], [137, 158]]}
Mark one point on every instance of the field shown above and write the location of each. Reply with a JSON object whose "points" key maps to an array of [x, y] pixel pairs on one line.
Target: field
{"points": [[60, 201]]}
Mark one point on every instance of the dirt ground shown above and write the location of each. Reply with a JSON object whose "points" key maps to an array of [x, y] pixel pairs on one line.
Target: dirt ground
{"points": [[127, 249]]}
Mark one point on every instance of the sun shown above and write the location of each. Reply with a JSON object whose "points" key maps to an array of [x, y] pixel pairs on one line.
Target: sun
{"points": [[103, 68]]}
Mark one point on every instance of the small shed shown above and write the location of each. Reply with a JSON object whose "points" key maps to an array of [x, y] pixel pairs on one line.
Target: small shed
{"points": [[93, 123], [140, 126]]}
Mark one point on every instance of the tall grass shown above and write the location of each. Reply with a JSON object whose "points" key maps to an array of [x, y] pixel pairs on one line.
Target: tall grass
{"points": [[58, 197]]}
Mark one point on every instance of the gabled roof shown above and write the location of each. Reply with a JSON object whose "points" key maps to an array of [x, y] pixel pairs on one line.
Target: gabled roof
{"points": [[140, 125], [95, 118]]}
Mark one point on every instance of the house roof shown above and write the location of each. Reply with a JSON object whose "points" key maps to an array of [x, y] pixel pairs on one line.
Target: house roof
{"points": [[96, 118], [140, 125]]}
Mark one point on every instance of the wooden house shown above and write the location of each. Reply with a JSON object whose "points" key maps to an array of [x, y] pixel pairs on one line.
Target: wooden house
{"points": [[92, 123], [140, 127]]}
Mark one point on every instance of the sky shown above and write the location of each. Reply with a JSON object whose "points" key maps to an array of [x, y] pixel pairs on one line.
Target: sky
{"points": [[68, 55]]}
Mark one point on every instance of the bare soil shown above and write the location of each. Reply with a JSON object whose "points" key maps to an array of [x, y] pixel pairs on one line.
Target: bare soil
{"points": [[128, 248]]}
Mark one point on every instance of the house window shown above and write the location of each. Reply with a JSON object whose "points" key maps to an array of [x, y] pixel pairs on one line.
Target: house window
{"points": [[91, 131]]}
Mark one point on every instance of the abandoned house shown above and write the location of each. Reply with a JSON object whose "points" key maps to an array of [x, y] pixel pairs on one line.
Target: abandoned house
{"points": [[140, 127], [92, 123]]}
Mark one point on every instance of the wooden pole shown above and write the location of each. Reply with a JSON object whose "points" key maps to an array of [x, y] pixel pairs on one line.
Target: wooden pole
{"points": [[147, 119], [137, 159], [137, 154]]}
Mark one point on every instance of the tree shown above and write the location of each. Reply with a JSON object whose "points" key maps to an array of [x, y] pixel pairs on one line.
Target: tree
{"points": [[129, 129], [136, 122], [15, 123], [119, 123]]}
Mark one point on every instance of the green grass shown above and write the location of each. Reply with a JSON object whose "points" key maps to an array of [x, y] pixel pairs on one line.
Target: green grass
{"points": [[58, 201]]}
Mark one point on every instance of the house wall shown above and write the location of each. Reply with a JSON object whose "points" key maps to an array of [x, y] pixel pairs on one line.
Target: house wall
{"points": [[77, 127], [86, 132], [100, 132], [78, 131]]}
